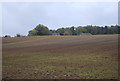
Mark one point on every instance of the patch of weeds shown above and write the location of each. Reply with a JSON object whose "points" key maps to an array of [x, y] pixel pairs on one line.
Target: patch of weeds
{"points": [[45, 68], [85, 74], [68, 73], [5, 66]]}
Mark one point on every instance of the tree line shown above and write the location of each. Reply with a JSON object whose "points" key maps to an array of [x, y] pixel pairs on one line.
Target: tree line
{"points": [[41, 30]]}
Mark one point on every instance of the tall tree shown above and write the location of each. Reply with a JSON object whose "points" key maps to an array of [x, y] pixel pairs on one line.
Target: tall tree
{"points": [[61, 31], [39, 30], [43, 30], [32, 32], [72, 29]]}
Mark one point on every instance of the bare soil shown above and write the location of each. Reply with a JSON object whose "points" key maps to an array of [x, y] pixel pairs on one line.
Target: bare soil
{"points": [[61, 57]]}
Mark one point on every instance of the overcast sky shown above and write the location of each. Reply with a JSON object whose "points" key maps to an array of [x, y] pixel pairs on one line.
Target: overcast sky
{"points": [[21, 17]]}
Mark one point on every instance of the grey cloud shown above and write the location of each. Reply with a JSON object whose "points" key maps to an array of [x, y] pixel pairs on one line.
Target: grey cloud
{"points": [[21, 17]]}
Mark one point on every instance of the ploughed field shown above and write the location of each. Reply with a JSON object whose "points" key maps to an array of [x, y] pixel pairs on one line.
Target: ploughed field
{"points": [[61, 57]]}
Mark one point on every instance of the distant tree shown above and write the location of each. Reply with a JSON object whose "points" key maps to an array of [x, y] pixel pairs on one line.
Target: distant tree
{"points": [[42, 30], [94, 30], [118, 29], [99, 30], [39, 30], [7, 36], [32, 33], [81, 30], [73, 31], [18, 35], [68, 31], [106, 30], [61, 31], [89, 28], [53, 31]]}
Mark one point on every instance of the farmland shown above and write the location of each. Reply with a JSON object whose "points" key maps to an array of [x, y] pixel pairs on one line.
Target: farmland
{"points": [[61, 57]]}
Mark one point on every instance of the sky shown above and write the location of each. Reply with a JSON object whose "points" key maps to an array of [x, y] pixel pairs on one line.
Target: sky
{"points": [[20, 17]]}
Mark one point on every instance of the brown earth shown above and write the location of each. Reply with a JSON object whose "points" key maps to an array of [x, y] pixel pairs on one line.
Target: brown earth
{"points": [[56, 57]]}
